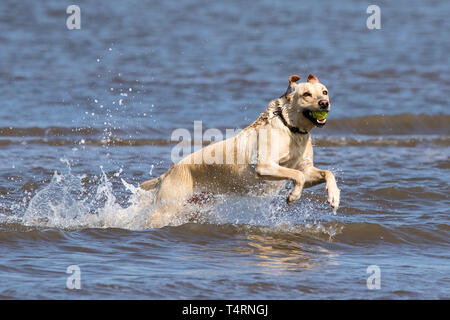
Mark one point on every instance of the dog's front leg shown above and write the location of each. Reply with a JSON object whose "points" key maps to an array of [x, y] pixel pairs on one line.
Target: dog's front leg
{"points": [[316, 176], [277, 172]]}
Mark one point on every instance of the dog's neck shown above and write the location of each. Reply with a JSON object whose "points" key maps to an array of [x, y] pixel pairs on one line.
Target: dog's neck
{"points": [[279, 112], [290, 117]]}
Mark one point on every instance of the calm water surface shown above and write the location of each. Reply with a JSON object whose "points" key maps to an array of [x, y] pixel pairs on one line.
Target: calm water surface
{"points": [[88, 114]]}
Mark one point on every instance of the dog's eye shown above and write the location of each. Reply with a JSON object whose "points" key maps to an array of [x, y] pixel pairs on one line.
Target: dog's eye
{"points": [[325, 92], [307, 94]]}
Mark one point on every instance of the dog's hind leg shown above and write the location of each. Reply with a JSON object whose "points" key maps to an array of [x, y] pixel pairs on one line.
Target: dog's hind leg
{"points": [[174, 190], [163, 215]]}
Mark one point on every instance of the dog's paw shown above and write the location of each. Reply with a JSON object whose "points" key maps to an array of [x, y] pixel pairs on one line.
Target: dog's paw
{"points": [[334, 195], [292, 198]]}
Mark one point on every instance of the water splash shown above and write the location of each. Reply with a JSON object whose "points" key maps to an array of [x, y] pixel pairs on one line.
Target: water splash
{"points": [[69, 202]]}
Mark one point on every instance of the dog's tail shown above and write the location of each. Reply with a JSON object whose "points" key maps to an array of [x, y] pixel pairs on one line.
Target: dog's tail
{"points": [[150, 184]]}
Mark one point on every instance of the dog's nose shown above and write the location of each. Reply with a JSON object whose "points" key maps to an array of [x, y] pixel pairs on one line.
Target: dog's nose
{"points": [[324, 104]]}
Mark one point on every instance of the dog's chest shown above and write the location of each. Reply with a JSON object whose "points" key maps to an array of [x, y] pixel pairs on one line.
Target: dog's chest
{"points": [[293, 154]]}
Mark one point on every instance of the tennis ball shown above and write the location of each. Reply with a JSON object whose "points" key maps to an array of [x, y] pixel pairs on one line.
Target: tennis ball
{"points": [[320, 115]]}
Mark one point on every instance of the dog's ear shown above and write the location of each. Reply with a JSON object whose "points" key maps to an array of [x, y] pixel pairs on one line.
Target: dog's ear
{"points": [[292, 80], [312, 79]]}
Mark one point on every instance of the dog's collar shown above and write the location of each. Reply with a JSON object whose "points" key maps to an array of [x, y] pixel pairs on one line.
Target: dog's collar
{"points": [[293, 129]]}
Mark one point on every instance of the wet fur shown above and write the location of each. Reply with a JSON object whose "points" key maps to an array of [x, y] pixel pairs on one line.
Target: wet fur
{"points": [[247, 169]]}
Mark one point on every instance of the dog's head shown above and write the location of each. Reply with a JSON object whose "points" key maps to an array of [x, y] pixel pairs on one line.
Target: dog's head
{"points": [[307, 103]]}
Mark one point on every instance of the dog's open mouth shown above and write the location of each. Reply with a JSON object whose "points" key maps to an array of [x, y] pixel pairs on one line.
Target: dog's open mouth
{"points": [[319, 118]]}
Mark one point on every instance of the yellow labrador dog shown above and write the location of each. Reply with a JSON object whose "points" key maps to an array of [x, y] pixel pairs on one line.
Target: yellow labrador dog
{"points": [[261, 158]]}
